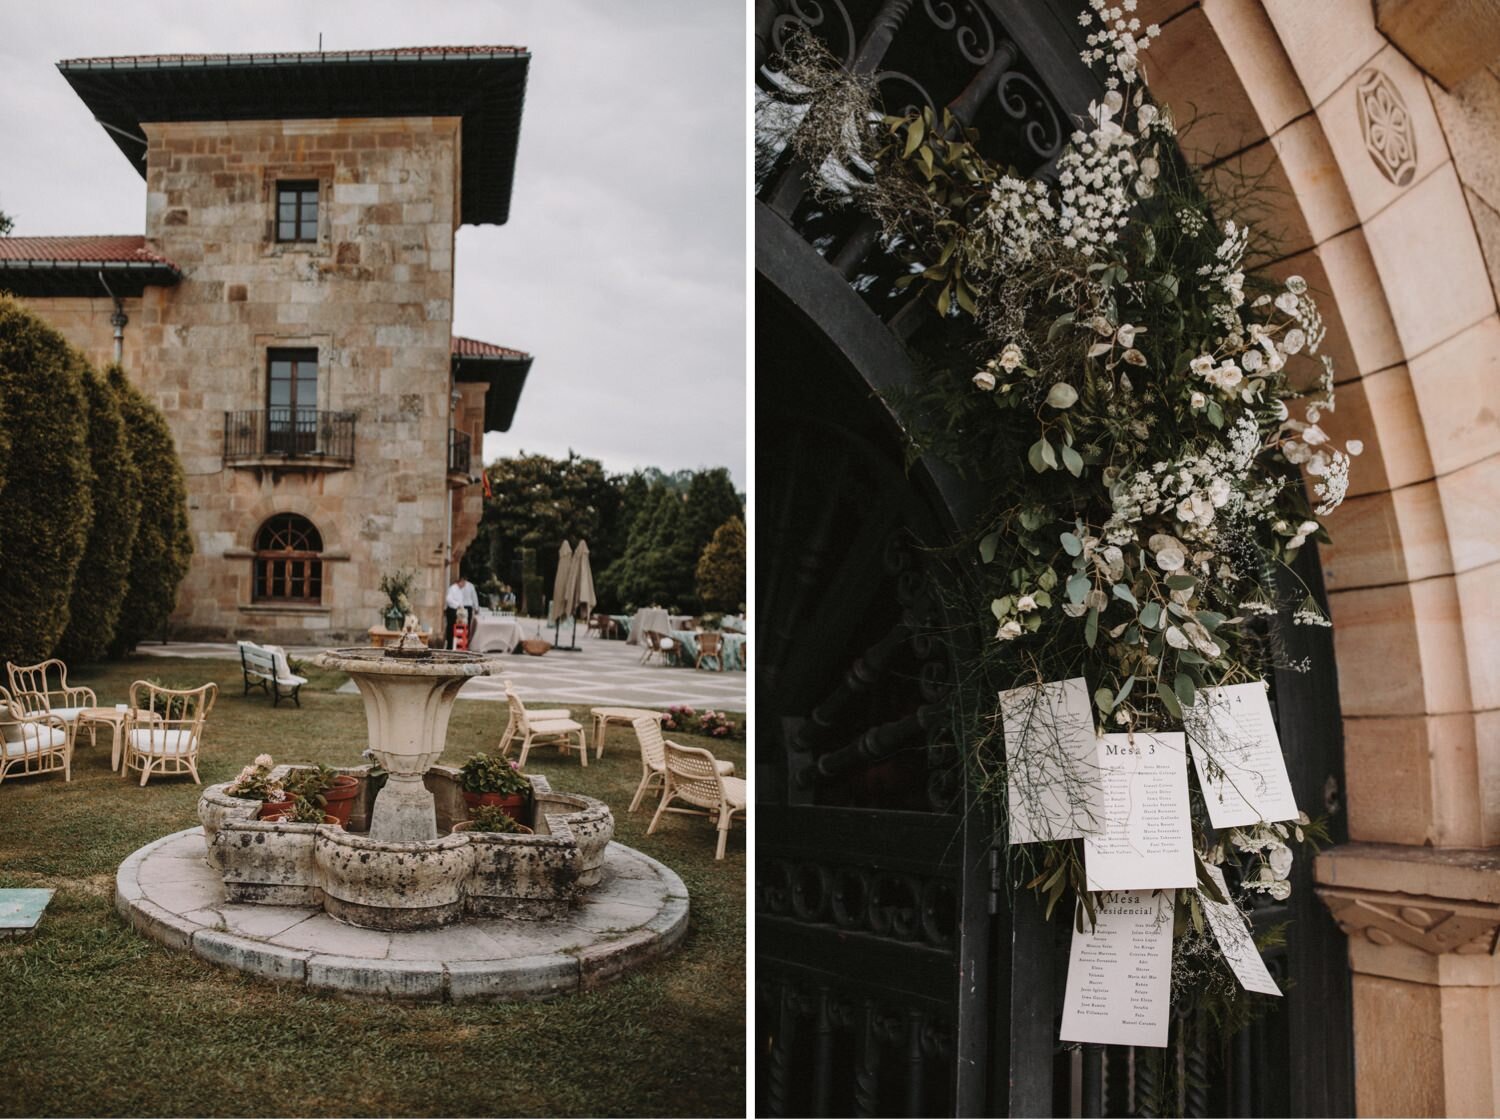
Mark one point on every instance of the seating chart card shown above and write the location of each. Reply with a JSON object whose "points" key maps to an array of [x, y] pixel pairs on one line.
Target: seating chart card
{"points": [[1120, 973], [1231, 727], [1145, 841], [1235, 940], [1052, 772]]}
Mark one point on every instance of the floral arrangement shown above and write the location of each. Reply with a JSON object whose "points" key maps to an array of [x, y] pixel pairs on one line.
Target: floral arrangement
{"points": [[679, 717], [485, 773], [1134, 396], [396, 587], [254, 782]]}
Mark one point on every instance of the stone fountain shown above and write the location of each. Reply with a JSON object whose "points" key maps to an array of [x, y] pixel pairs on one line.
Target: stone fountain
{"points": [[490, 901]]}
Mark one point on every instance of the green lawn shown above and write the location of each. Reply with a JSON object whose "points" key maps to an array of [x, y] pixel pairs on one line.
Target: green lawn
{"points": [[98, 1020]]}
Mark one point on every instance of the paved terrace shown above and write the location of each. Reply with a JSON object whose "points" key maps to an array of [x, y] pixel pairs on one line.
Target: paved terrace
{"points": [[602, 672]]}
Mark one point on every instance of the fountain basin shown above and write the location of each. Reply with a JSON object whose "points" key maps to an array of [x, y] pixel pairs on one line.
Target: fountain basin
{"points": [[414, 884]]}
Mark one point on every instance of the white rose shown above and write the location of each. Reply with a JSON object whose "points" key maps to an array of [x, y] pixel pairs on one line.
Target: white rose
{"points": [[1202, 365], [1011, 357], [1008, 630], [1218, 492], [985, 380], [1026, 603], [1229, 376], [264, 760], [1198, 400]]}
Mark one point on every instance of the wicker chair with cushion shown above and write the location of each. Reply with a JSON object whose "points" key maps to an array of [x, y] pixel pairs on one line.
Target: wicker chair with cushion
{"points": [[658, 645], [654, 760], [537, 728], [512, 725], [164, 729], [32, 688], [37, 744], [692, 775]]}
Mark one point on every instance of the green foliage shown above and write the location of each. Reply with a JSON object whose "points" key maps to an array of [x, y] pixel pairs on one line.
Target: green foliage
{"points": [[488, 773], [163, 545], [6, 223], [721, 568], [396, 586], [46, 506], [492, 818], [659, 561], [711, 501], [104, 574]]}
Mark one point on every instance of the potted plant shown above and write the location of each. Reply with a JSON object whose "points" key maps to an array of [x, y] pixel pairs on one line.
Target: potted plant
{"points": [[254, 783], [397, 587], [490, 818], [489, 780], [330, 791], [306, 811]]}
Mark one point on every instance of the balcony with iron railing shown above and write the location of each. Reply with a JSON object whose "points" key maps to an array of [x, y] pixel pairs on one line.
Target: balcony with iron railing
{"points": [[460, 457], [289, 438]]}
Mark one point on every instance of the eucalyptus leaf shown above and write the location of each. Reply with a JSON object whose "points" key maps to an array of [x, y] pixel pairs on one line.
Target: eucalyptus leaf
{"points": [[1072, 460], [1078, 587], [1168, 699], [1071, 544], [1034, 457], [1124, 690], [1180, 582], [1121, 591], [1062, 395], [1000, 607], [1091, 627], [987, 546], [1049, 454], [1151, 615], [1183, 687], [1104, 700]]}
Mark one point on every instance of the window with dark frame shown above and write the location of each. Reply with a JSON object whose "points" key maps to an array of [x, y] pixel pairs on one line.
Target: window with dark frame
{"points": [[291, 402], [297, 210], [288, 561]]}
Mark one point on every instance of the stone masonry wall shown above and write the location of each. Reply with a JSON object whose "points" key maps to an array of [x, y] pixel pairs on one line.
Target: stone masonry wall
{"points": [[373, 295], [84, 322]]}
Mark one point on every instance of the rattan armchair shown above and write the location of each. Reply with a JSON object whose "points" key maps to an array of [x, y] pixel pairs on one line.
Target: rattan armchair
{"points": [[659, 645], [36, 744], [710, 648], [541, 727], [692, 776], [654, 760], [32, 689], [164, 729]]}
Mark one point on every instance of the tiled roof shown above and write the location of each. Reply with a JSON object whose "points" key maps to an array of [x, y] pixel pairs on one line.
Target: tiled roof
{"points": [[126, 249], [473, 348], [116, 62]]}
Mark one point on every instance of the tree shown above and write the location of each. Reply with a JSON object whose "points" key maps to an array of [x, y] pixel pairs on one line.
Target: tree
{"points": [[711, 501], [46, 504], [104, 575], [721, 568], [538, 501], [163, 545], [6, 223]]}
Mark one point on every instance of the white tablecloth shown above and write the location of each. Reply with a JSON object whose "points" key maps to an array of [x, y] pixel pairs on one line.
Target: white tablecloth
{"points": [[648, 618], [493, 632]]}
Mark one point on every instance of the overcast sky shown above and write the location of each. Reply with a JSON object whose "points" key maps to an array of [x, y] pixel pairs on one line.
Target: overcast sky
{"points": [[622, 268]]}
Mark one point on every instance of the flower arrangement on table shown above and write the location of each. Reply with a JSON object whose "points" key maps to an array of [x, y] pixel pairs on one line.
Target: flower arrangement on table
{"points": [[1136, 400]]}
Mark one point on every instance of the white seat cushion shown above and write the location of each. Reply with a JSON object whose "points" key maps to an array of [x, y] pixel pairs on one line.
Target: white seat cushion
{"points": [[734, 792], [36, 738], [553, 726], [547, 714], [290, 681], [69, 714], [162, 743], [724, 768]]}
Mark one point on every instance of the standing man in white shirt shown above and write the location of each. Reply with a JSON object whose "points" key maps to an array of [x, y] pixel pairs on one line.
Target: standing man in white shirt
{"points": [[461, 597]]}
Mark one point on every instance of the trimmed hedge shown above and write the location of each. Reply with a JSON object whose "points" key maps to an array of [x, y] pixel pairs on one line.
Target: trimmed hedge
{"points": [[104, 576], [46, 498], [163, 545]]}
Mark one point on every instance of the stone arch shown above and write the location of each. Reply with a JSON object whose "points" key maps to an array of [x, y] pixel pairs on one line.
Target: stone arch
{"points": [[1379, 179]]}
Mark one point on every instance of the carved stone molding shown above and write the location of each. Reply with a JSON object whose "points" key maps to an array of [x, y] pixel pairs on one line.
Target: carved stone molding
{"points": [[1433, 925], [1386, 123]]}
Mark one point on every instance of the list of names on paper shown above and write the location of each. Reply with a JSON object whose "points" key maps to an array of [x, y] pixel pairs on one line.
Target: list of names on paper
{"points": [[1238, 757], [1052, 768], [1146, 838], [1120, 973]]}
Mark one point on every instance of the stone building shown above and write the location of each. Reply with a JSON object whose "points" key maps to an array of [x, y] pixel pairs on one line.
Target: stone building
{"points": [[1371, 128], [290, 310]]}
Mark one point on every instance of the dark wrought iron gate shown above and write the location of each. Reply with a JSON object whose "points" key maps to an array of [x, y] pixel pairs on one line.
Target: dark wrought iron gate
{"points": [[892, 976]]}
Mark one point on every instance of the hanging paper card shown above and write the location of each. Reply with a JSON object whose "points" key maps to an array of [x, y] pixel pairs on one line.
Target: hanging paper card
{"points": [[1238, 756], [1235, 941], [1146, 837], [1120, 973], [1051, 772]]}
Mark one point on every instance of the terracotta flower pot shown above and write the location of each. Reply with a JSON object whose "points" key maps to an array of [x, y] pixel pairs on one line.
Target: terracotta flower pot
{"points": [[276, 809], [512, 804], [339, 801]]}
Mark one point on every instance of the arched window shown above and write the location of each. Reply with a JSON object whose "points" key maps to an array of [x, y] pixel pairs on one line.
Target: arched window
{"points": [[288, 567]]}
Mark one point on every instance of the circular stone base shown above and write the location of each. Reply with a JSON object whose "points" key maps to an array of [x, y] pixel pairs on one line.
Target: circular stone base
{"points": [[638, 912]]}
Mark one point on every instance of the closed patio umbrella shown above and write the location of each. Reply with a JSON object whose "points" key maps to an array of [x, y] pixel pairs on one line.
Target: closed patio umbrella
{"points": [[562, 584], [583, 581]]}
